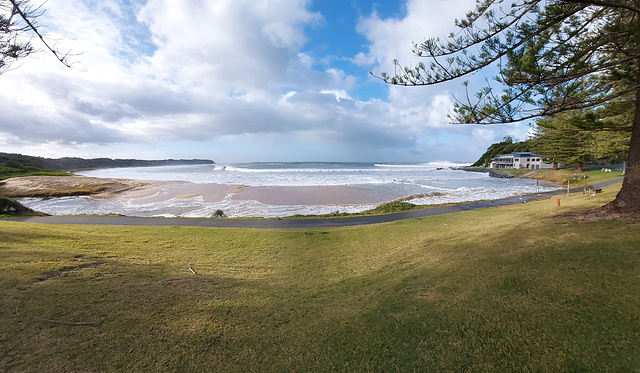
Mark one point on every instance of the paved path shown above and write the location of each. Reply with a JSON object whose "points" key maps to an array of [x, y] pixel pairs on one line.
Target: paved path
{"points": [[295, 223]]}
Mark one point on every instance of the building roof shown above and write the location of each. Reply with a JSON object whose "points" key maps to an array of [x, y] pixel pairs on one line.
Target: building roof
{"points": [[517, 154], [525, 154]]}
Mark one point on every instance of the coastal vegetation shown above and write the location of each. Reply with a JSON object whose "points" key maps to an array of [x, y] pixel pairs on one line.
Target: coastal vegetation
{"points": [[11, 207], [506, 146], [560, 142], [502, 289], [384, 208], [572, 148], [573, 66], [392, 207], [219, 214], [12, 165], [15, 169]]}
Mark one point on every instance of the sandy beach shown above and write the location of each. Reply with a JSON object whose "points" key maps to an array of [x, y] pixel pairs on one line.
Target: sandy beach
{"points": [[40, 186], [270, 195], [143, 192], [285, 190]]}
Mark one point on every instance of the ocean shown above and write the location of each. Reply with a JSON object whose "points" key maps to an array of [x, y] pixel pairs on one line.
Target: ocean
{"points": [[429, 183]]}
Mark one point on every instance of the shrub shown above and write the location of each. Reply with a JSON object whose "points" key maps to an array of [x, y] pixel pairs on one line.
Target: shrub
{"points": [[219, 214], [12, 206], [394, 206]]}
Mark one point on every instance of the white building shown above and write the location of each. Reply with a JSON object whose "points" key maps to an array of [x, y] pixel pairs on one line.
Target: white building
{"points": [[520, 160]]}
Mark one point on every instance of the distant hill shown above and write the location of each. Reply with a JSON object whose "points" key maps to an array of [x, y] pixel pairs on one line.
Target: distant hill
{"points": [[19, 161]]}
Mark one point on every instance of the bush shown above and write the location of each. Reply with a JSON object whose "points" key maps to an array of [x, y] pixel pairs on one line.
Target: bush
{"points": [[8, 205], [394, 206], [219, 214]]}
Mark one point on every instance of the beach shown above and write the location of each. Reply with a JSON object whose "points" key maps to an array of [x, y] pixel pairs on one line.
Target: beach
{"points": [[272, 195], [257, 189], [57, 186], [144, 193]]}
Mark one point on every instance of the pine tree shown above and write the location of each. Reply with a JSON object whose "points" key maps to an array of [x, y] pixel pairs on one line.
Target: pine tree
{"points": [[552, 57], [558, 142]]}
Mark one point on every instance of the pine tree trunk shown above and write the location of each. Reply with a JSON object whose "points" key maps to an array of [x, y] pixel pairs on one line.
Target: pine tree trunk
{"points": [[628, 199]]}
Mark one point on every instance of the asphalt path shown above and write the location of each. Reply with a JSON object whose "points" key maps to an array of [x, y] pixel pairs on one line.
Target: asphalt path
{"points": [[296, 223]]}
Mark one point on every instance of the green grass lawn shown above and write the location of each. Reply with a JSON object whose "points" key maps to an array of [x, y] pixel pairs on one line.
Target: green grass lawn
{"points": [[502, 289], [576, 178]]}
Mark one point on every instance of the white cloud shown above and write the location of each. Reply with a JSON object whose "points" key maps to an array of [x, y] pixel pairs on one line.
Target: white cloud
{"points": [[227, 44], [230, 74], [392, 38]]}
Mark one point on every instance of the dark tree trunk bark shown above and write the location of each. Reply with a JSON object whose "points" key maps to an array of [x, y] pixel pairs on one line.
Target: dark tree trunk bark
{"points": [[628, 199]]}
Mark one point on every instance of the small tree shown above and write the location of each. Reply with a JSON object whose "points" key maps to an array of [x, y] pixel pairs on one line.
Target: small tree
{"points": [[218, 214], [551, 56]]}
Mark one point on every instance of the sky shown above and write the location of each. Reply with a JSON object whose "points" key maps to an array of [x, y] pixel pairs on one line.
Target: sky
{"points": [[237, 81]]}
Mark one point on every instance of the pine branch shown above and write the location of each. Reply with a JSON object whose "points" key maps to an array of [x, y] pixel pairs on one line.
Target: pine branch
{"points": [[25, 17], [413, 77], [611, 4]]}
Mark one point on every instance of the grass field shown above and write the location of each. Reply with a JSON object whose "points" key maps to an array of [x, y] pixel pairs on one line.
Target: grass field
{"points": [[576, 178], [501, 289]]}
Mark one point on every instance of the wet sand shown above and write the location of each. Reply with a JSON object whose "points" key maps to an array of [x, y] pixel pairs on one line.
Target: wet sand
{"points": [[281, 195], [315, 195], [179, 189]]}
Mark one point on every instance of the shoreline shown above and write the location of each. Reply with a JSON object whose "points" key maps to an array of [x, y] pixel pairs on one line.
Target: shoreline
{"points": [[278, 223], [136, 197], [144, 192]]}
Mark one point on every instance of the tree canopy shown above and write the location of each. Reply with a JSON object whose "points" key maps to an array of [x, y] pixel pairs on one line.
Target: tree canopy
{"points": [[561, 139], [549, 57]]}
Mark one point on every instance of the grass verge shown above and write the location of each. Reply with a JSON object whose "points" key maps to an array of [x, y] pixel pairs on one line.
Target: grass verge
{"points": [[501, 289], [576, 178]]}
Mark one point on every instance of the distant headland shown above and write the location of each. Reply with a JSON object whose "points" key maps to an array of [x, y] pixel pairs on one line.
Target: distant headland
{"points": [[73, 163]]}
